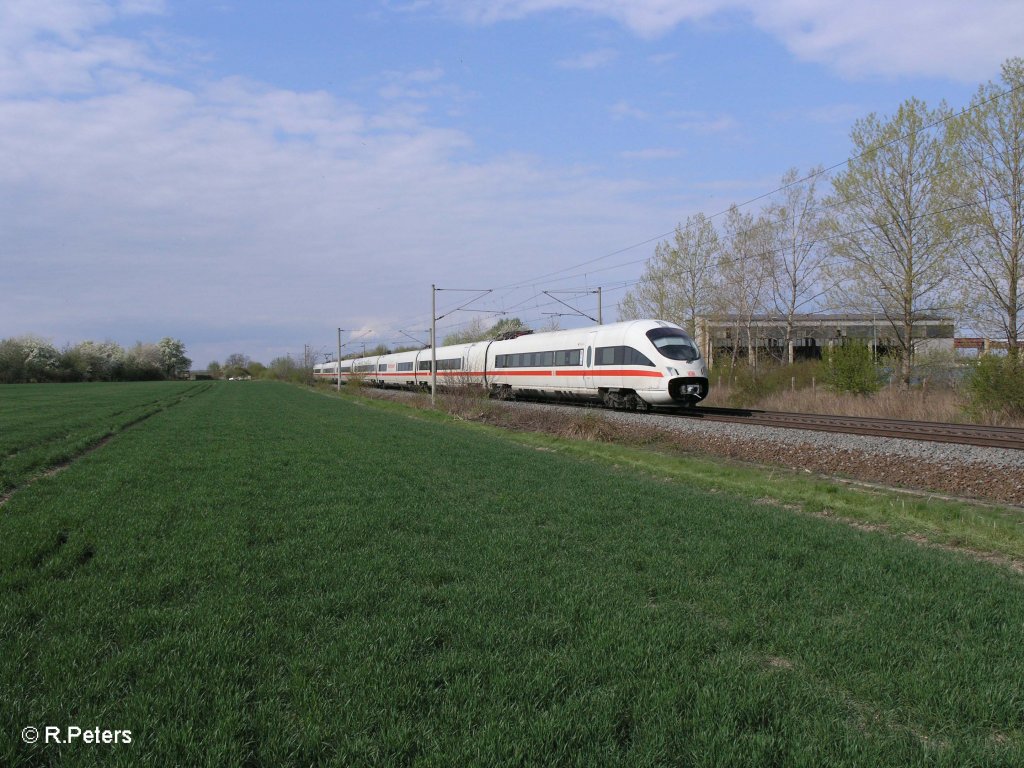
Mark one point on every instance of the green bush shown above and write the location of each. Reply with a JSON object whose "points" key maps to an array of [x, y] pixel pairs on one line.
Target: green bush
{"points": [[850, 368], [941, 368], [995, 386], [750, 385]]}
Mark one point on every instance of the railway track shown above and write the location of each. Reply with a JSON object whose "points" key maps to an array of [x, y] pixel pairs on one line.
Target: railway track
{"points": [[965, 434]]}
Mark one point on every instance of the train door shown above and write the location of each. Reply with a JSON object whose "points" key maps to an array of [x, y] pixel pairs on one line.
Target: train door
{"points": [[483, 364], [588, 361], [474, 363]]}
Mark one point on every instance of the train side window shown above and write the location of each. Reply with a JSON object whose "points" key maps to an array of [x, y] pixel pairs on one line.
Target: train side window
{"points": [[636, 357], [547, 359], [621, 356], [568, 357], [588, 357]]}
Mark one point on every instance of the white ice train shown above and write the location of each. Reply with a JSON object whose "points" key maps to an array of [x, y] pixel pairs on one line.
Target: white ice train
{"points": [[632, 364]]}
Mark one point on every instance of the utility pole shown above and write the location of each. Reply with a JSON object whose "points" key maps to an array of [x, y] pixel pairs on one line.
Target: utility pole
{"points": [[338, 363], [433, 328], [600, 316], [350, 341], [433, 344]]}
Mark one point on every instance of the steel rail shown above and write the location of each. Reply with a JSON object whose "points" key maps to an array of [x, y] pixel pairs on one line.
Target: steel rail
{"points": [[964, 434]]}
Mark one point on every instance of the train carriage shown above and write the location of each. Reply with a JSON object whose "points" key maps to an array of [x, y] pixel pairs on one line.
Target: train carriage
{"points": [[632, 364]]}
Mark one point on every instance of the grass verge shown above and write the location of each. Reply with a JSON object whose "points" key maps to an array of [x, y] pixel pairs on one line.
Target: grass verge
{"points": [[988, 531]]}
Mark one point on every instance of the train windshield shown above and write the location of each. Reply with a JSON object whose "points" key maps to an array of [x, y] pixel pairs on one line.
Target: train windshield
{"points": [[674, 344]]}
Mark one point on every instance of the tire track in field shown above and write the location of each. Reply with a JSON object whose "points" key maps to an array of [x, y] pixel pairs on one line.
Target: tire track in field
{"points": [[62, 433], [60, 466]]}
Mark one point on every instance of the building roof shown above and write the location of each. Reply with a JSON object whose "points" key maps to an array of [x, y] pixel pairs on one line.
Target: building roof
{"points": [[823, 318]]}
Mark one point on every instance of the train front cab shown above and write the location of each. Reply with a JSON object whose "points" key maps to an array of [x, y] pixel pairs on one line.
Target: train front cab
{"points": [[680, 357]]}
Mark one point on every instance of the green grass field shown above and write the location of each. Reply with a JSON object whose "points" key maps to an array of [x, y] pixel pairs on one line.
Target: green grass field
{"points": [[261, 575], [44, 425]]}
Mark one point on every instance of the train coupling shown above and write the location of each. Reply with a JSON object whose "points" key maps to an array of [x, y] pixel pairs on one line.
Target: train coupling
{"points": [[688, 388]]}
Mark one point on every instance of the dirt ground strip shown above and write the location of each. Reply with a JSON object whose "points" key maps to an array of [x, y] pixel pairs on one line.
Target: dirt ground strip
{"points": [[998, 484]]}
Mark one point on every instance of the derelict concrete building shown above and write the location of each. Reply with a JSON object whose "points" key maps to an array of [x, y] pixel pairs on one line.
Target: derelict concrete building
{"points": [[765, 335]]}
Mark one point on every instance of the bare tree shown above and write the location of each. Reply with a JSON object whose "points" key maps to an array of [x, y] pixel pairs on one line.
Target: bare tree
{"points": [[237, 360], [695, 258], [892, 233], [678, 282], [990, 152], [551, 324], [797, 255], [654, 295], [741, 290], [309, 355], [476, 330]]}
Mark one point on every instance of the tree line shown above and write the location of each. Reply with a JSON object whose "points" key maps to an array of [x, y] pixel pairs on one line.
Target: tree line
{"points": [[925, 219], [25, 359]]}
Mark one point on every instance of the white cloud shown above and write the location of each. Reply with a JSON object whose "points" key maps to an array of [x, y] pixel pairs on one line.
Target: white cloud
{"points": [[662, 58], [51, 45], [651, 154], [590, 60], [646, 17], [132, 204], [66, 20], [622, 110], [966, 41], [949, 38], [421, 85], [700, 122]]}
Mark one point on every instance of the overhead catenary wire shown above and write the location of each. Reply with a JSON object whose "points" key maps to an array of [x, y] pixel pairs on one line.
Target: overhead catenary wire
{"points": [[764, 253]]}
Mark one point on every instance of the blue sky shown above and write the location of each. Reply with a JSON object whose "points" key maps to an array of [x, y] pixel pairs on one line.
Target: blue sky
{"points": [[248, 176]]}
